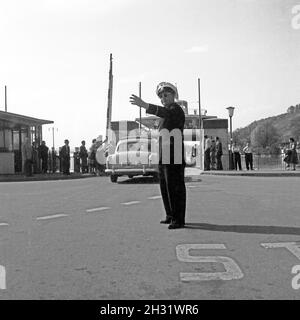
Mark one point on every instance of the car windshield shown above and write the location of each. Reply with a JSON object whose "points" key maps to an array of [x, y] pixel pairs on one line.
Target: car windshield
{"points": [[134, 146]]}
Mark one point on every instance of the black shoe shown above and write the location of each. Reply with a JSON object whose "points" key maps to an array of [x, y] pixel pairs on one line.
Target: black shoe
{"points": [[175, 226], [166, 221]]}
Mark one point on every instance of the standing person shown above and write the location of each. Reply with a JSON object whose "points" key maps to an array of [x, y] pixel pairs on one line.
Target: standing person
{"points": [[83, 155], [236, 156], [35, 157], [92, 157], [43, 155], [207, 145], [293, 158], [219, 153], [213, 154], [100, 157], [171, 170], [76, 159], [27, 157], [248, 156], [65, 157]]}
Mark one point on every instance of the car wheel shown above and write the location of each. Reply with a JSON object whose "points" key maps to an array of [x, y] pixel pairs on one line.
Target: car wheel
{"points": [[113, 178]]}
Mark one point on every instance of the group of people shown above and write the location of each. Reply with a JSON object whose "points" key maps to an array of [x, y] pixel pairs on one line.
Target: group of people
{"points": [[236, 156], [88, 161], [38, 159], [34, 156], [290, 156], [212, 153]]}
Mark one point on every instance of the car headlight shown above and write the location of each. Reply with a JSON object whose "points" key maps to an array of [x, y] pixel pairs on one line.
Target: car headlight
{"points": [[150, 157]]}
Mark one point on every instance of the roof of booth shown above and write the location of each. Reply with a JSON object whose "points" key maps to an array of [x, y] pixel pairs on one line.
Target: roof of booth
{"points": [[13, 119]]}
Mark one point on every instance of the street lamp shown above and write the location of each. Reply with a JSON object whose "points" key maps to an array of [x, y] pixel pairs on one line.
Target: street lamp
{"points": [[230, 113]]}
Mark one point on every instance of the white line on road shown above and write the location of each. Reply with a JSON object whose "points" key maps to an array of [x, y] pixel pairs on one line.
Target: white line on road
{"points": [[232, 270], [192, 186], [293, 247], [130, 203], [2, 278], [53, 216], [154, 197], [4, 224], [97, 209]]}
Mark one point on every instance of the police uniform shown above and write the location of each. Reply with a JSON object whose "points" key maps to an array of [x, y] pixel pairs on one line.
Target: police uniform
{"points": [[171, 173]]}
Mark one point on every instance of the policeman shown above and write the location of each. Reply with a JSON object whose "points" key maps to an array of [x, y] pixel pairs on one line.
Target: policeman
{"points": [[171, 152]]}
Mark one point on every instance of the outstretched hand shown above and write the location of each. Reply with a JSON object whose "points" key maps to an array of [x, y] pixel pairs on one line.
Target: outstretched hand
{"points": [[138, 102]]}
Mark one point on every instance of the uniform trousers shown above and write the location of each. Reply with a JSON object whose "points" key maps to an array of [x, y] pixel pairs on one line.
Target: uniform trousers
{"points": [[44, 164], [219, 162], [237, 160], [66, 165], [249, 160], [172, 187], [28, 167], [207, 159]]}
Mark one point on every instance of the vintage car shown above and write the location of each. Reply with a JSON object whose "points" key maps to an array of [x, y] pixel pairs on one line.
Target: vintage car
{"points": [[133, 157]]}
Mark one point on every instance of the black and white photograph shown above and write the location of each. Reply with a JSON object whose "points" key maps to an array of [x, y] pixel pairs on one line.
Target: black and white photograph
{"points": [[149, 151]]}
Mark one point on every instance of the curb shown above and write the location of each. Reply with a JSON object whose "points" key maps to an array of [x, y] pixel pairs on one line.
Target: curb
{"points": [[254, 174], [49, 177]]}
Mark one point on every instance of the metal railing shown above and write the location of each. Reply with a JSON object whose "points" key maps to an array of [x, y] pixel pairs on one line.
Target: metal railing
{"points": [[260, 162], [266, 161]]}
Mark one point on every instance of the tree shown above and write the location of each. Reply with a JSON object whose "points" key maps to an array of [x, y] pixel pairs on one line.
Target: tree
{"points": [[242, 135], [264, 136], [295, 127]]}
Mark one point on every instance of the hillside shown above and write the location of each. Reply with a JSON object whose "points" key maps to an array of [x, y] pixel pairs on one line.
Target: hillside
{"points": [[287, 125]]}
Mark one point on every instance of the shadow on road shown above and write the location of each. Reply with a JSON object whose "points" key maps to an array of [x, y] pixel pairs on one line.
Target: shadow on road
{"points": [[244, 228], [139, 180]]}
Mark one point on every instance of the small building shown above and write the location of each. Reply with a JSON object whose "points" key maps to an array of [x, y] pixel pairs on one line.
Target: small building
{"points": [[13, 130], [193, 136]]}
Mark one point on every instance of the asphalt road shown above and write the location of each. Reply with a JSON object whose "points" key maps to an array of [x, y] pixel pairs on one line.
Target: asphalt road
{"points": [[92, 239]]}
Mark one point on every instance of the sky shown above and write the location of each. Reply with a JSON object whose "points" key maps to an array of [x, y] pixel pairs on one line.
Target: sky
{"points": [[55, 59]]}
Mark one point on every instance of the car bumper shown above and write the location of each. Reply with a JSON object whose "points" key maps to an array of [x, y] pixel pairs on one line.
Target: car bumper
{"points": [[133, 171]]}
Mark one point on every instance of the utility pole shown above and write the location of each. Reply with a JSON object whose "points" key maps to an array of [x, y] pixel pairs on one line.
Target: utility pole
{"points": [[5, 99], [199, 102], [109, 98], [52, 129], [140, 95]]}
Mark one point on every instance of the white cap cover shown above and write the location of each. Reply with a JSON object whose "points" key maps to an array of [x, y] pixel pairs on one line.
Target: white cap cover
{"points": [[163, 85]]}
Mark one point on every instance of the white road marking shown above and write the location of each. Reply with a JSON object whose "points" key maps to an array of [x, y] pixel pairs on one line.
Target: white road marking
{"points": [[233, 271], [296, 280], [130, 203], [293, 247], [53, 216], [97, 209], [192, 186], [2, 278], [4, 224], [154, 197]]}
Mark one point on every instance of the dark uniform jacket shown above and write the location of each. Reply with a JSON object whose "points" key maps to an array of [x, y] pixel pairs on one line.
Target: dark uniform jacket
{"points": [[172, 117], [43, 151], [65, 152], [219, 150]]}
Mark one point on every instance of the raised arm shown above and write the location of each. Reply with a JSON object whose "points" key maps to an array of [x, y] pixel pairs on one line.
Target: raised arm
{"points": [[138, 102]]}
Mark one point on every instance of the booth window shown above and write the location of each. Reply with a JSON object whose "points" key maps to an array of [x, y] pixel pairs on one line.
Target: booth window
{"points": [[2, 141]]}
